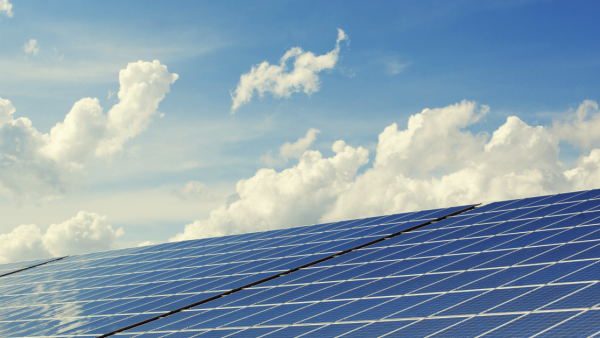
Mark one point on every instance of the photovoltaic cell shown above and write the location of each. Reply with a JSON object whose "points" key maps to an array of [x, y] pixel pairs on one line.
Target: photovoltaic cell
{"points": [[514, 268]]}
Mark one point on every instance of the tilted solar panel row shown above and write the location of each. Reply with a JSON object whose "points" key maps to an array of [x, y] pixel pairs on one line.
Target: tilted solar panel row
{"points": [[93, 294], [516, 268], [11, 268]]}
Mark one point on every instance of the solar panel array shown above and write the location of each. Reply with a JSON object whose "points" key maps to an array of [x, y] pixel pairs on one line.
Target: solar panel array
{"points": [[515, 268], [508, 269], [95, 294]]}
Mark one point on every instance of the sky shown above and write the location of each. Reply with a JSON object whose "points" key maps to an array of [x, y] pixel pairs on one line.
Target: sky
{"points": [[140, 122]]}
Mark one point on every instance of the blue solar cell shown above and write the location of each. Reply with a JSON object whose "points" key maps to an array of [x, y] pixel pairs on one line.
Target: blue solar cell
{"points": [[530, 324], [570, 234], [592, 252], [533, 201], [379, 254], [356, 270], [561, 252], [554, 209], [333, 330], [559, 198], [578, 219], [304, 313], [413, 284], [427, 327], [436, 304], [294, 331], [517, 256], [518, 213], [298, 292], [371, 288], [392, 268], [319, 274], [475, 326], [584, 325], [333, 290], [581, 207], [377, 329], [180, 301], [349, 309], [491, 229], [475, 260], [254, 332], [538, 298], [194, 318], [481, 218], [550, 273], [485, 301], [269, 313], [184, 334], [578, 196], [412, 251], [528, 239], [433, 264], [452, 246], [224, 317], [472, 230], [588, 296], [116, 324], [457, 281], [487, 243]]}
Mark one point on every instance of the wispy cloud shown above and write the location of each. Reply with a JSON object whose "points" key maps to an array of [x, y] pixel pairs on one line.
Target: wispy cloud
{"points": [[276, 80], [6, 8], [31, 47], [290, 150]]}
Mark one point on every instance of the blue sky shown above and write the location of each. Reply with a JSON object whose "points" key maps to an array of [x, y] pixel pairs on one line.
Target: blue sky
{"points": [[537, 60]]}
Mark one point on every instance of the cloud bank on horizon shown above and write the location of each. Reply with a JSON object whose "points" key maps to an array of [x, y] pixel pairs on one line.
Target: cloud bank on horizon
{"points": [[38, 166], [276, 80], [86, 232], [433, 162]]}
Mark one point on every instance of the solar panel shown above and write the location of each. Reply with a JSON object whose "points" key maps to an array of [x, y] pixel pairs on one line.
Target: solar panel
{"points": [[524, 267], [95, 294], [518, 268]]}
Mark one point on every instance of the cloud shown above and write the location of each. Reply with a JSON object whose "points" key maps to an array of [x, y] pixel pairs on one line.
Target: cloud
{"points": [[31, 47], [433, 162], [291, 150], [38, 166], [86, 232], [146, 243], [581, 127], [6, 8], [193, 190], [393, 66], [294, 196], [276, 80]]}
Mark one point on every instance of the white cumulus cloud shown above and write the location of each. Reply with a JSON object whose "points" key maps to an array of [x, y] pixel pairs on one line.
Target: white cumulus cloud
{"points": [[291, 150], [6, 8], [31, 47], [294, 196], [36, 165], [581, 127], [280, 82], [86, 232], [433, 162]]}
